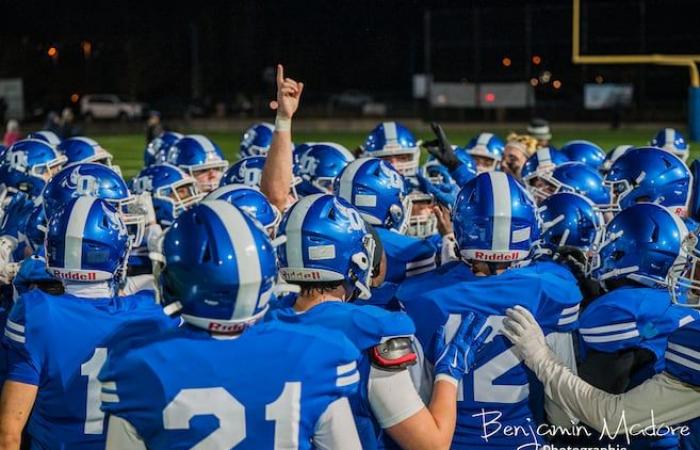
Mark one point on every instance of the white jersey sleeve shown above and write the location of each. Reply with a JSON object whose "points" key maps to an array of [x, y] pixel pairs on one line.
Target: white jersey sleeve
{"points": [[121, 435], [336, 428], [562, 345], [664, 397], [392, 396], [448, 249]]}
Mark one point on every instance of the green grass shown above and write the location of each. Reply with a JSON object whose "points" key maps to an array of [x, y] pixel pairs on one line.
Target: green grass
{"points": [[128, 148]]}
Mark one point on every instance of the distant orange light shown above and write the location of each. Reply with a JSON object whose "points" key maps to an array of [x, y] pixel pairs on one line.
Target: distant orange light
{"points": [[86, 46], [534, 82], [506, 61], [536, 60], [490, 97], [52, 52], [556, 84], [74, 98], [599, 79]]}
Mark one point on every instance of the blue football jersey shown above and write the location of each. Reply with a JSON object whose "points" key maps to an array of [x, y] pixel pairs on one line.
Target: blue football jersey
{"points": [[633, 318], [365, 327], [59, 343], [495, 394], [406, 256], [265, 389]]}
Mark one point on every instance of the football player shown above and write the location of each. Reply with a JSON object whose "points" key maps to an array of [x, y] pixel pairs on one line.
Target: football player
{"points": [[624, 332], [585, 152], [328, 253], [536, 170], [539, 129], [156, 151], [317, 165], [199, 157], [83, 149], [496, 226], [222, 380], [252, 201], [672, 141], [256, 140], [487, 150], [56, 345]]}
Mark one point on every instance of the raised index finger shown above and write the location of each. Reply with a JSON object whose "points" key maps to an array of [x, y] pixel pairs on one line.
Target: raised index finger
{"points": [[280, 75]]}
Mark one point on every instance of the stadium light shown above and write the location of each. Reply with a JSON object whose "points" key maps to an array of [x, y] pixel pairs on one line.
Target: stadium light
{"points": [[74, 98], [536, 60], [506, 62], [490, 97], [599, 79], [53, 52], [534, 82], [556, 84], [86, 47]]}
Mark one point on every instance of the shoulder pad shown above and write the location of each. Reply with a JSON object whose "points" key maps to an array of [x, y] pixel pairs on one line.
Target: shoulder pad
{"points": [[393, 354]]}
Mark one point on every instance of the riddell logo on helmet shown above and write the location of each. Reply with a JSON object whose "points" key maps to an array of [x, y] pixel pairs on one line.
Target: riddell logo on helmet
{"points": [[481, 256], [76, 276], [300, 276], [227, 328]]}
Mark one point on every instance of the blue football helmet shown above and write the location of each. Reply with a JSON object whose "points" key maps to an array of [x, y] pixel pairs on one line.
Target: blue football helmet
{"points": [[649, 174], [172, 191], [377, 191], [83, 149], [539, 165], [27, 164], [156, 151], [256, 140], [672, 141], [584, 151], [570, 219], [326, 240], [582, 179], [246, 171], [390, 141], [436, 173], [197, 154], [319, 165], [488, 148], [642, 243], [49, 137], [35, 228], [87, 241], [250, 200], [99, 181], [220, 267], [495, 219], [613, 156]]}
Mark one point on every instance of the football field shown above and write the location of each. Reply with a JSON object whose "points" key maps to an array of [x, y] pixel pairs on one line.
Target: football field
{"points": [[128, 148]]}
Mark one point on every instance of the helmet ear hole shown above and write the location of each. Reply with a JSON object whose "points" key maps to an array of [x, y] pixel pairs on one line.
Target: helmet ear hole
{"points": [[617, 255]]}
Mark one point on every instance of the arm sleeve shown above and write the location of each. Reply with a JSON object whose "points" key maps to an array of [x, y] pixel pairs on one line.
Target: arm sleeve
{"points": [[121, 434], [448, 249], [561, 345], [23, 355], [392, 396], [335, 428], [461, 175], [672, 401], [611, 371]]}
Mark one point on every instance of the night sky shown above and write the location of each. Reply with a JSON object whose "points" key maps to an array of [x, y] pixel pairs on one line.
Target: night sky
{"points": [[144, 49]]}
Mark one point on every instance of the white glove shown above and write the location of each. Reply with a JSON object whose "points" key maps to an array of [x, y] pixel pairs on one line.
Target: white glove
{"points": [[144, 203], [521, 328]]}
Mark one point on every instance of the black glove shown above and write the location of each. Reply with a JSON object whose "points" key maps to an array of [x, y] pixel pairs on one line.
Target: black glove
{"points": [[441, 148], [575, 259]]}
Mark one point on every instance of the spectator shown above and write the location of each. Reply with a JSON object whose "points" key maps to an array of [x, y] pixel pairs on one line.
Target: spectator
{"points": [[53, 123], [12, 134], [67, 123], [153, 126], [539, 129]]}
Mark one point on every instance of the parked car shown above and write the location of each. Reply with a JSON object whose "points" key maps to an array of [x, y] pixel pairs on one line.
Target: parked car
{"points": [[109, 106]]}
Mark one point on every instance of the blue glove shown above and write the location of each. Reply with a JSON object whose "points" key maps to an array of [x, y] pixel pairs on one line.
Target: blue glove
{"points": [[456, 359], [31, 271], [445, 194], [16, 215]]}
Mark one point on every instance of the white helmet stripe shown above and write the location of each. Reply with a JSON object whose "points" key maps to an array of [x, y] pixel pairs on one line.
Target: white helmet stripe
{"points": [[669, 137], [204, 142], [500, 190], [73, 249], [246, 253], [293, 231], [484, 138], [86, 140], [348, 178], [390, 131], [544, 156]]}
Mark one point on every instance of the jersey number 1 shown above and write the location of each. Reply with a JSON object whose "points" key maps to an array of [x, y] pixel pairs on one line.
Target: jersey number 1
{"points": [[94, 417], [285, 411]]}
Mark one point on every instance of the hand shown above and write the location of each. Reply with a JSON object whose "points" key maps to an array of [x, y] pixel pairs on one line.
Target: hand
{"points": [[454, 360], [521, 328], [444, 221], [441, 148], [445, 194], [288, 95]]}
